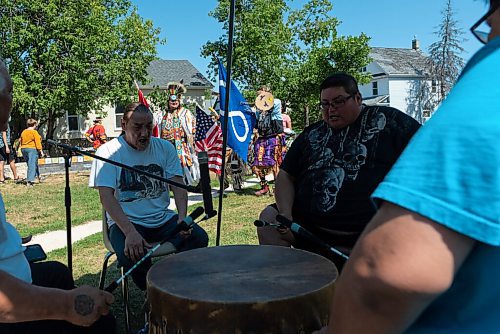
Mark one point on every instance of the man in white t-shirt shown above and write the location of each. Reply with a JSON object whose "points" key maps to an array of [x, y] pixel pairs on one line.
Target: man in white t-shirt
{"points": [[136, 205]]}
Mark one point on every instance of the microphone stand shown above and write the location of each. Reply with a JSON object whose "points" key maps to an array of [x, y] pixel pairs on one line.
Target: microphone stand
{"points": [[119, 164], [67, 204]]}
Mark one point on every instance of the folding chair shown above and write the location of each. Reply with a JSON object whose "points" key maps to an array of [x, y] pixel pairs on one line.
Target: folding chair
{"points": [[165, 249]]}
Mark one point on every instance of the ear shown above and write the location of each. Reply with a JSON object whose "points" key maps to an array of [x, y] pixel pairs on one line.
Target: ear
{"points": [[358, 98]]}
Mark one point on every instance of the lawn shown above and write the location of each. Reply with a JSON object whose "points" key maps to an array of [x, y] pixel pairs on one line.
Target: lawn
{"points": [[41, 208]]}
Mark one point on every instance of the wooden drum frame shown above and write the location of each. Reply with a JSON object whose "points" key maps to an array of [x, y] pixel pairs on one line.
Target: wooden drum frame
{"points": [[240, 289]]}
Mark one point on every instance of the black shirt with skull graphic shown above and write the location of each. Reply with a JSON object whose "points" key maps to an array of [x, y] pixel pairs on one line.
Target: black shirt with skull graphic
{"points": [[336, 171]]}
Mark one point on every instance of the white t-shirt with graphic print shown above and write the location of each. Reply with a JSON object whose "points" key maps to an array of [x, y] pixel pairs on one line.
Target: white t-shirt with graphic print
{"points": [[144, 200]]}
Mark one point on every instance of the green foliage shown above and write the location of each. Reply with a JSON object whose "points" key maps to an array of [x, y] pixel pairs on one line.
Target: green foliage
{"points": [[291, 51], [73, 56], [260, 40]]}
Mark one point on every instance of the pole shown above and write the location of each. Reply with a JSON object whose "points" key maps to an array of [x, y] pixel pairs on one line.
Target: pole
{"points": [[226, 115], [67, 204]]}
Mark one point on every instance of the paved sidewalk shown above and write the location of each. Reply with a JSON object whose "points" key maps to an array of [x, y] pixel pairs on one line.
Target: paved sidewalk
{"points": [[57, 239]]}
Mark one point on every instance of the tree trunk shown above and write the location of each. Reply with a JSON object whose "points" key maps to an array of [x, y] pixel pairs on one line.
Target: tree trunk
{"points": [[307, 115]]}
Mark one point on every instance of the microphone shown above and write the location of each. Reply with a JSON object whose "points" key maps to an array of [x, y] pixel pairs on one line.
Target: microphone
{"points": [[261, 223], [205, 185], [308, 235], [187, 222], [184, 225]]}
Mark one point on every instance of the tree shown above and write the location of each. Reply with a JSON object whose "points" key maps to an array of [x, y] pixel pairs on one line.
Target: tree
{"points": [[73, 56], [261, 39], [290, 50], [444, 55]]}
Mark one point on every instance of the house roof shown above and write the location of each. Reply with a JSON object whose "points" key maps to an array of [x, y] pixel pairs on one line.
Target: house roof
{"points": [[398, 61], [375, 100], [161, 72]]}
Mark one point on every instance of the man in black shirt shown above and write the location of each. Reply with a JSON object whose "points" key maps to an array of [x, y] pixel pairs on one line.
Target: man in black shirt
{"points": [[333, 166]]}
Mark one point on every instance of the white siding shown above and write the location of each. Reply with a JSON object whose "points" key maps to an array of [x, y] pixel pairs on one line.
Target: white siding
{"points": [[399, 93]]}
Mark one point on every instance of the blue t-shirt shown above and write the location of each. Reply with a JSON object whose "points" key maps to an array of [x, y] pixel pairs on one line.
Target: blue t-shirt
{"points": [[450, 173]]}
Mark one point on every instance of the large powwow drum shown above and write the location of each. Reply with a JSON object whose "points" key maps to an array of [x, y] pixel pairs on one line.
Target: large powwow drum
{"points": [[240, 289]]}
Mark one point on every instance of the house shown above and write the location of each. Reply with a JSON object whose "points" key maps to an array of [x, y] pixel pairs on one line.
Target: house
{"points": [[160, 72], [401, 79]]}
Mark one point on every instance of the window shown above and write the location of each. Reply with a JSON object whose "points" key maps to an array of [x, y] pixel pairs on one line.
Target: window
{"points": [[434, 86], [363, 69], [375, 88], [119, 109], [73, 122]]}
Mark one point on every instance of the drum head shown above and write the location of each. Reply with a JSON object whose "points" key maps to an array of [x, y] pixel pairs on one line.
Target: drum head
{"points": [[264, 101]]}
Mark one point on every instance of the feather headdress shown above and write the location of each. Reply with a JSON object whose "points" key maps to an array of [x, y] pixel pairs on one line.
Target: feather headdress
{"points": [[175, 90]]}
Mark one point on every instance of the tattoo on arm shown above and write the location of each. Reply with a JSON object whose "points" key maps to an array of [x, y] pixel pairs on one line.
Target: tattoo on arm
{"points": [[84, 305]]}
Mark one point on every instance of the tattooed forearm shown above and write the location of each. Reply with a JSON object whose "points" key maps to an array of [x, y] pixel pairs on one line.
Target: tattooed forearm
{"points": [[84, 305]]}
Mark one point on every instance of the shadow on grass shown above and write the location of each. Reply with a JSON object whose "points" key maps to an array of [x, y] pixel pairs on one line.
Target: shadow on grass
{"points": [[136, 299]]}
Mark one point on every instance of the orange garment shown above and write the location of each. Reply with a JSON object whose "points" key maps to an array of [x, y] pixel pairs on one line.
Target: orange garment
{"points": [[97, 134], [31, 139]]}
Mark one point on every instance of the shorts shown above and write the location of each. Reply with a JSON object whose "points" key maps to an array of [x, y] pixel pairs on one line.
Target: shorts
{"points": [[7, 157]]}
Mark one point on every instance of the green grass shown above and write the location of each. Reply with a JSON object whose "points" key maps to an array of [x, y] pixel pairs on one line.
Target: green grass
{"points": [[41, 208], [239, 212]]}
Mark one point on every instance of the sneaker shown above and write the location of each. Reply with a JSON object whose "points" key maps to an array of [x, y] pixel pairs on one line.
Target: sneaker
{"points": [[263, 191], [29, 184]]}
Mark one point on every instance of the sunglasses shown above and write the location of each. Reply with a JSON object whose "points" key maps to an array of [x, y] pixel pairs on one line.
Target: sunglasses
{"points": [[478, 29]]}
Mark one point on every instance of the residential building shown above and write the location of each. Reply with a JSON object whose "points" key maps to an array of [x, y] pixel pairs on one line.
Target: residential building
{"points": [[401, 79], [160, 72]]}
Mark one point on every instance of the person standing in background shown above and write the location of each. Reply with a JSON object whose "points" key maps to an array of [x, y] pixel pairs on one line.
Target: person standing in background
{"points": [[7, 156], [31, 147], [96, 134], [178, 126]]}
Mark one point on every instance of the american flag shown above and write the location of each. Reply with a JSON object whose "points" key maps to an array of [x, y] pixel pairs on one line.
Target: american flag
{"points": [[208, 139]]}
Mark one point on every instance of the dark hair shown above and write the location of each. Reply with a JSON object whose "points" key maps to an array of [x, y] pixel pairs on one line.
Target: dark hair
{"points": [[340, 79], [133, 107]]}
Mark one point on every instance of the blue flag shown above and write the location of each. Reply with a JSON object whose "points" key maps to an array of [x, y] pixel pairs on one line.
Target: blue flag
{"points": [[241, 117]]}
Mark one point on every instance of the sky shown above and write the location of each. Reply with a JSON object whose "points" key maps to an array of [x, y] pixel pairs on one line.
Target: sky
{"points": [[186, 25]]}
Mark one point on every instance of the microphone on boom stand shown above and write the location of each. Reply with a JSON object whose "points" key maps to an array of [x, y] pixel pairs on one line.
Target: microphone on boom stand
{"points": [[308, 235], [184, 225]]}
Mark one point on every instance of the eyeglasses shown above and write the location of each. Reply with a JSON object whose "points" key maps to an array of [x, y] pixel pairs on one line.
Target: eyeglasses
{"points": [[479, 28], [337, 103]]}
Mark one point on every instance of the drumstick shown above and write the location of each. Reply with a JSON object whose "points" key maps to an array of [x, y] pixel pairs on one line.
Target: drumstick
{"points": [[308, 235], [184, 225]]}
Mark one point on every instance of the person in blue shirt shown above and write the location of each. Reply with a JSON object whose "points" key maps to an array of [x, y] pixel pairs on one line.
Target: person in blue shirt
{"points": [[429, 261]]}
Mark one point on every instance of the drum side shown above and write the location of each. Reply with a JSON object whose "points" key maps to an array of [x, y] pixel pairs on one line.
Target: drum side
{"points": [[301, 314], [241, 289]]}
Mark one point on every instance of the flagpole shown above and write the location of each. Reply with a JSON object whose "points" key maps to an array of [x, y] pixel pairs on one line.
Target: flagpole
{"points": [[226, 115]]}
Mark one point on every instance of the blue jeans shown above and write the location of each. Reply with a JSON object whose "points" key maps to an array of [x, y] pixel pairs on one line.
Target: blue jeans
{"points": [[30, 155], [197, 239]]}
